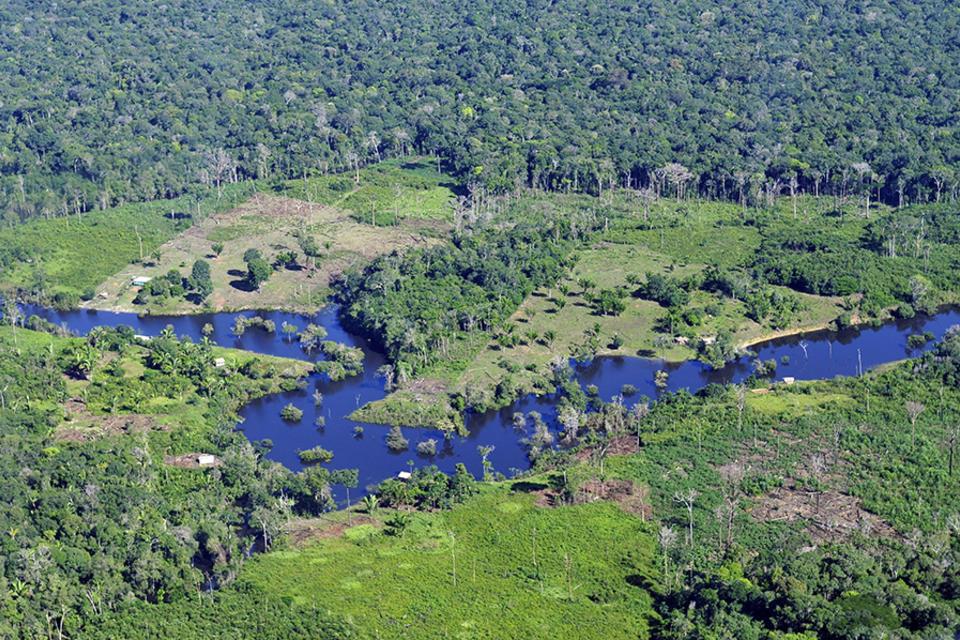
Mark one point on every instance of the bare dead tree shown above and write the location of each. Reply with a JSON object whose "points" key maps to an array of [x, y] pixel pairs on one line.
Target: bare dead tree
{"points": [[677, 175], [819, 467], [913, 409], [667, 537], [731, 490], [741, 404], [687, 498], [953, 437]]}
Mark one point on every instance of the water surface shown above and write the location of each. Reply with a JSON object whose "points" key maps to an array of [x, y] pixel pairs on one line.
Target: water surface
{"points": [[819, 355]]}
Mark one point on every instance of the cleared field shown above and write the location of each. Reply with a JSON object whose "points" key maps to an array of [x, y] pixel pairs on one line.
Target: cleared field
{"points": [[270, 224], [384, 194], [609, 265], [72, 255], [496, 566]]}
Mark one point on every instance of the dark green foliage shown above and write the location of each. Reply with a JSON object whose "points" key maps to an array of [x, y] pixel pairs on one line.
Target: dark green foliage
{"points": [[258, 272], [664, 290], [427, 447], [718, 352], [111, 520], [774, 307], [311, 337], [608, 302], [285, 259], [233, 615], [396, 440], [200, 282], [427, 488], [291, 413], [827, 264], [342, 361], [315, 455], [917, 340], [595, 93], [417, 305], [309, 246]]}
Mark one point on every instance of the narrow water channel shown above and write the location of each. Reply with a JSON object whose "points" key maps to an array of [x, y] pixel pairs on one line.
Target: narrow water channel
{"points": [[819, 355]]}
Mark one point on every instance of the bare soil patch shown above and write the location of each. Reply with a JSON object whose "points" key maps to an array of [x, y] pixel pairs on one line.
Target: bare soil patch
{"points": [[84, 426], [191, 461], [831, 517], [621, 446], [629, 496], [304, 531]]}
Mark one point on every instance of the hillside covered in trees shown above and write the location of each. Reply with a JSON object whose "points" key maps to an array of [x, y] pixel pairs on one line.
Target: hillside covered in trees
{"points": [[102, 102]]}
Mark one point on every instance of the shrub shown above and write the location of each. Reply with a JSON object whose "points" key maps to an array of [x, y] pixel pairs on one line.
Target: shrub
{"points": [[315, 455], [290, 413], [396, 441]]}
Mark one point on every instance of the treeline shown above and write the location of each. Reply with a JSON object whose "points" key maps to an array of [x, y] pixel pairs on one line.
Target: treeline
{"points": [[104, 103]]}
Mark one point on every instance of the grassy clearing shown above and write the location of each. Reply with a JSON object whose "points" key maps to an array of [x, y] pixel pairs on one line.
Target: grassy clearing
{"points": [[72, 255], [521, 572], [383, 194], [270, 224], [795, 405]]}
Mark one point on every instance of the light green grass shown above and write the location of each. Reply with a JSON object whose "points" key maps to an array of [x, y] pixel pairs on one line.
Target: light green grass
{"points": [[386, 193], [521, 572], [269, 224], [792, 405], [72, 255]]}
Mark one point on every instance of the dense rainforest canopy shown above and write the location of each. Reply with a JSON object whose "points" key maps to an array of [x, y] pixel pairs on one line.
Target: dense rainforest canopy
{"points": [[103, 102]]}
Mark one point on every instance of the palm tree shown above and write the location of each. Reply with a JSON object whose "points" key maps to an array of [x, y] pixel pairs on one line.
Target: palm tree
{"points": [[289, 330], [370, 503], [82, 360]]}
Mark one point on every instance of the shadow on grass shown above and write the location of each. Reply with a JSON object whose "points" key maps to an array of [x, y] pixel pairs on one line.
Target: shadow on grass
{"points": [[525, 486], [242, 285]]}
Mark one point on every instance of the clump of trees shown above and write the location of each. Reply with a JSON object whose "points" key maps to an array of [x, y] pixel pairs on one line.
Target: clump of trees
{"points": [[258, 269], [242, 323], [418, 306], [291, 413], [664, 290], [196, 288], [315, 455], [427, 488], [342, 361], [396, 441]]}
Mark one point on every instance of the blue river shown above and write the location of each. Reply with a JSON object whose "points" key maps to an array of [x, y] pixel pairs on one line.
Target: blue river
{"points": [[817, 355]]}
